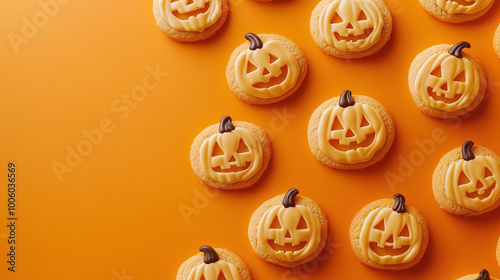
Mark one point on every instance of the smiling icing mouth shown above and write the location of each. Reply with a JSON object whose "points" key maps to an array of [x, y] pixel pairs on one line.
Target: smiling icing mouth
{"points": [[353, 38], [485, 193], [232, 169], [442, 97], [388, 251], [461, 2], [274, 80], [288, 247], [354, 145], [190, 14]]}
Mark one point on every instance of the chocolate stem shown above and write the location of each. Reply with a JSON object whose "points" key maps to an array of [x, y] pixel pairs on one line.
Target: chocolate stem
{"points": [[399, 205], [289, 199], [346, 99], [483, 275], [255, 41], [457, 49], [226, 125], [210, 254], [467, 151]]}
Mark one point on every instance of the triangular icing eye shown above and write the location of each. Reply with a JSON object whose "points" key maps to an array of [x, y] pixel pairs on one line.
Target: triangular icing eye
{"points": [[460, 77], [272, 58], [364, 122], [242, 147], [251, 67], [463, 179], [336, 125], [217, 151], [276, 223], [302, 224], [380, 226], [221, 276], [362, 16], [405, 232], [437, 72], [189, 2], [336, 19], [390, 239], [487, 172]]}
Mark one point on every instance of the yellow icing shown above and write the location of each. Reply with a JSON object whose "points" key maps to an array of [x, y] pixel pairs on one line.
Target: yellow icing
{"points": [[212, 271], [229, 143], [197, 22], [445, 86], [306, 239], [394, 223], [349, 12], [267, 70], [475, 172], [351, 119], [453, 7]]}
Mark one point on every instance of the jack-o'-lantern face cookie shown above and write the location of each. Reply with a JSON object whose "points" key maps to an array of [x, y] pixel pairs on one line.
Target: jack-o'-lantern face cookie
{"points": [[351, 28], [446, 83], [230, 155], [288, 230], [483, 275], [213, 264], [190, 20], [350, 132], [266, 69], [387, 234], [466, 180], [456, 11]]}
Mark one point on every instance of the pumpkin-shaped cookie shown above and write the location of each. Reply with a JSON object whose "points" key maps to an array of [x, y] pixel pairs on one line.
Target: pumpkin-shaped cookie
{"points": [[466, 180], [483, 275], [266, 69], [230, 155], [388, 234], [456, 11], [190, 20], [446, 83], [351, 28], [288, 230], [350, 132], [213, 264]]}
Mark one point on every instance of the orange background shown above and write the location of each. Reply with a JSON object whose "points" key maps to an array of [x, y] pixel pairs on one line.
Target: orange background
{"points": [[117, 215]]}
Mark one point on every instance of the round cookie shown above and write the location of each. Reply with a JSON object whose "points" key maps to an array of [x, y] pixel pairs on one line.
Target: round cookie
{"points": [[266, 69], [190, 20], [496, 41], [351, 28], [387, 234], [350, 132], [445, 83], [454, 11], [483, 275], [288, 230], [466, 180], [230, 155], [213, 264]]}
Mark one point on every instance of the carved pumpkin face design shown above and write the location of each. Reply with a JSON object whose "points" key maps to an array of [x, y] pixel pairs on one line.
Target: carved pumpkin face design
{"points": [[232, 155], [289, 232], [191, 15], [472, 182], [462, 6], [213, 268], [351, 132], [448, 81], [391, 236], [266, 70], [351, 25]]}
